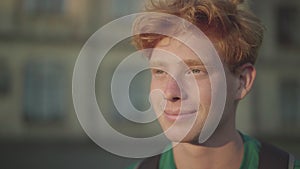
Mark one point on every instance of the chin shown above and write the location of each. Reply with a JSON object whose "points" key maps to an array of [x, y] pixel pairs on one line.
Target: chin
{"points": [[180, 138]]}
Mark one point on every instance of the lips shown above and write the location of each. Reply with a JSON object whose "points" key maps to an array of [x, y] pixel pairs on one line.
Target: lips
{"points": [[176, 115]]}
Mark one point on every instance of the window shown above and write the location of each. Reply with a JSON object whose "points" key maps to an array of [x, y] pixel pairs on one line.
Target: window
{"points": [[289, 95], [44, 91], [288, 25], [43, 6], [5, 77], [122, 7]]}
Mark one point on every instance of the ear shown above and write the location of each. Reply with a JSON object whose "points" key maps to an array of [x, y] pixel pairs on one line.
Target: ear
{"points": [[246, 75]]}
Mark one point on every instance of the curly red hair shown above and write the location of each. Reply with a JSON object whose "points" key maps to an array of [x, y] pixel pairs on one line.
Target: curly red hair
{"points": [[235, 32]]}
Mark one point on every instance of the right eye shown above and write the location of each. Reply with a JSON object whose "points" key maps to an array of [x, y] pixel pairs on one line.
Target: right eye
{"points": [[158, 72]]}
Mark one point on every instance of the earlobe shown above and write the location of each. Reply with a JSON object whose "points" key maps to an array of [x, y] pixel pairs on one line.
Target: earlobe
{"points": [[246, 75]]}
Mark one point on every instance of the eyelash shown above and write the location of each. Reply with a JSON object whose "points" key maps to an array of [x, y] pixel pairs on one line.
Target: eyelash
{"points": [[195, 71], [158, 71], [192, 71]]}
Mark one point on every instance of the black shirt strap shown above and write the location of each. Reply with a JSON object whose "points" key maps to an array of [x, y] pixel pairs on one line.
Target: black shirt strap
{"points": [[150, 163], [271, 157]]}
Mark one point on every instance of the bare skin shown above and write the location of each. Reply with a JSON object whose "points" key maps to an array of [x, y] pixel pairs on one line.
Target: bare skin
{"points": [[227, 156], [224, 149]]}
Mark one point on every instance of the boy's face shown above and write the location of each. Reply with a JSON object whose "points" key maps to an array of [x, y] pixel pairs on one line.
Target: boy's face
{"points": [[184, 89]]}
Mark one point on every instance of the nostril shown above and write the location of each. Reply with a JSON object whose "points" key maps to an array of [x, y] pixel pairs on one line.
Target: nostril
{"points": [[175, 98]]}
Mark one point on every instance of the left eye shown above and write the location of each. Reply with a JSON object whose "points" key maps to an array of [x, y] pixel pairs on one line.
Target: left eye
{"points": [[194, 71]]}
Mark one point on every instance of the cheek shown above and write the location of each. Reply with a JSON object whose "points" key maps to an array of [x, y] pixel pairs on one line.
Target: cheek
{"points": [[156, 96], [155, 84], [204, 88]]}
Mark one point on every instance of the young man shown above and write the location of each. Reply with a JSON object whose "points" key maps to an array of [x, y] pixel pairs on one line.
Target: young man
{"points": [[185, 86]]}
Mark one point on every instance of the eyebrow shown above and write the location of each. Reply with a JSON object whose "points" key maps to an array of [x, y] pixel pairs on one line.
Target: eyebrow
{"points": [[156, 63], [188, 62], [193, 62]]}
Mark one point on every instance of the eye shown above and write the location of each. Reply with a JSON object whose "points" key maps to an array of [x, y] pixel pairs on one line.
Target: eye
{"points": [[158, 72], [196, 71], [193, 71]]}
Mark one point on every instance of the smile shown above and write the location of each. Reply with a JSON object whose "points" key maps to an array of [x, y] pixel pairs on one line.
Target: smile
{"points": [[173, 116]]}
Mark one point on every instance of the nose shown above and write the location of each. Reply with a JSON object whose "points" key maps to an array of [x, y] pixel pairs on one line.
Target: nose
{"points": [[172, 90]]}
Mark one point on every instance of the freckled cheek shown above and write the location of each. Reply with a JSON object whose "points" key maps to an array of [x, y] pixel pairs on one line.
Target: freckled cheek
{"points": [[153, 85], [157, 97], [156, 84], [205, 93], [156, 91]]}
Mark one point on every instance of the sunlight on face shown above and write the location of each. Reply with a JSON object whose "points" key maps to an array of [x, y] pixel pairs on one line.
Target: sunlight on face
{"points": [[182, 79]]}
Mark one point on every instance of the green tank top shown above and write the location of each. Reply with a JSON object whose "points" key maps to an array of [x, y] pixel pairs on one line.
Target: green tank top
{"points": [[250, 159]]}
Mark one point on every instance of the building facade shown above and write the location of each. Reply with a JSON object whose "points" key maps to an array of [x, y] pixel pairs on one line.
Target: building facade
{"points": [[41, 39]]}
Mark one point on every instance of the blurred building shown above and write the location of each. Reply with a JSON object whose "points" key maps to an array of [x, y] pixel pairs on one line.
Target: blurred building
{"points": [[41, 39], [274, 102]]}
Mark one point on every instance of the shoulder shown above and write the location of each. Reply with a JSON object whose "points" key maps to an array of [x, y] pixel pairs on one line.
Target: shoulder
{"points": [[254, 146], [297, 164], [251, 152], [133, 166], [164, 160]]}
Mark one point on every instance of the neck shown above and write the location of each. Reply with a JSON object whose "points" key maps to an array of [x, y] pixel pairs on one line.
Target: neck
{"points": [[220, 151]]}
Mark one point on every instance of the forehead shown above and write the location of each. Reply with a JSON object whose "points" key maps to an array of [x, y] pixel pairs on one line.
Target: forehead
{"points": [[172, 50]]}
